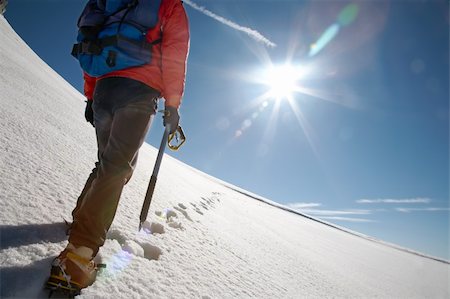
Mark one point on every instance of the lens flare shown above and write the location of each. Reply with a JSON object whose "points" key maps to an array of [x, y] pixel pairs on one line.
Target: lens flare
{"points": [[117, 263], [347, 16], [324, 39]]}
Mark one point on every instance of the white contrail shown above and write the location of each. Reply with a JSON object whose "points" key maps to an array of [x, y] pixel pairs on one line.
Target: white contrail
{"points": [[395, 201], [252, 33], [407, 210]]}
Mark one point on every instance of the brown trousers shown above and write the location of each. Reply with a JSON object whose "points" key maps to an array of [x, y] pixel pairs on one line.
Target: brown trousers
{"points": [[123, 112]]}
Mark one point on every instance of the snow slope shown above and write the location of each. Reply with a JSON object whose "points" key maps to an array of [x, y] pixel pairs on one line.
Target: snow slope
{"points": [[203, 239]]}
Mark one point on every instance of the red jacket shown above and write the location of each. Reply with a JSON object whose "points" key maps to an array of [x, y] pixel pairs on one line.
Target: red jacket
{"points": [[167, 70]]}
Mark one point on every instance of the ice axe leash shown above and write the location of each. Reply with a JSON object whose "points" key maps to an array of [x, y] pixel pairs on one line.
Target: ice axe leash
{"points": [[179, 136]]}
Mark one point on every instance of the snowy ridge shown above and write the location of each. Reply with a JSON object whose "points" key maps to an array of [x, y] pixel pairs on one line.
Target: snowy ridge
{"points": [[341, 228], [203, 238]]}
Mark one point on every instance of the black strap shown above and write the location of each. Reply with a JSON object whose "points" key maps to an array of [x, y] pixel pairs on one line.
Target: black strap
{"points": [[95, 47], [131, 5]]}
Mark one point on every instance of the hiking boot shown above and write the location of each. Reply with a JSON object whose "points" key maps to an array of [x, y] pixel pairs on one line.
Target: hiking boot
{"points": [[72, 272]]}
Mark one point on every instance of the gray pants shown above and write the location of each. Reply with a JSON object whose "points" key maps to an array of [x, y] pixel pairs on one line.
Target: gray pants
{"points": [[123, 112]]}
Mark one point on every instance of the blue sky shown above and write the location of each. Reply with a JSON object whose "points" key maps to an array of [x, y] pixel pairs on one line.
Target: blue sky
{"points": [[362, 143]]}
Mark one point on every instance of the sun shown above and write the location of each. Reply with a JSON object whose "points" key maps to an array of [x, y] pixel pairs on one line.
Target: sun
{"points": [[282, 80]]}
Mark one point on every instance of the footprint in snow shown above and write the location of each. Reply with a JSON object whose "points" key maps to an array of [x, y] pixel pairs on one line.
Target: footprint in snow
{"points": [[175, 224], [115, 234], [133, 248], [170, 216], [166, 214], [151, 252], [182, 211], [153, 228], [207, 202], [145, 250]]}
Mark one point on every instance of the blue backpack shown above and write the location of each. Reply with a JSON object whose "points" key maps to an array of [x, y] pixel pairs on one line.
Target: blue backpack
{"points": [[112, 35]]}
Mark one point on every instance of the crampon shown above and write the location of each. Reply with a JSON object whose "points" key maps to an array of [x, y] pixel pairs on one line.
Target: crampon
{"points": [[60, 288], [69, 274]]}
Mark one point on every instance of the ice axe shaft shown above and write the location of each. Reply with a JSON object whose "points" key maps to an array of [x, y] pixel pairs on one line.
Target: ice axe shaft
{"points": [[152, 184]]}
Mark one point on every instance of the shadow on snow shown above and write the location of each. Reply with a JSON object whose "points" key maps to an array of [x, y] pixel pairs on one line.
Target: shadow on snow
{"points": [[26, 281], [21, 235]]}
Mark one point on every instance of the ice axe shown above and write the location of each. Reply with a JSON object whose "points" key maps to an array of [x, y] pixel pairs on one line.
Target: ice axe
{"points": [[167, 138]]}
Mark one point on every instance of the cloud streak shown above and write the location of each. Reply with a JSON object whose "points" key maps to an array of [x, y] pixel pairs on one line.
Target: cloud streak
{"points": [[317, 212], [304, 205], [309, 208], [348, 219], [251, 32], [408, 210], [395, 201]]}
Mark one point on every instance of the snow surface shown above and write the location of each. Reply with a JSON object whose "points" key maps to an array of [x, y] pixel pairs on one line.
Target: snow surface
{"points": [[203, 239]]}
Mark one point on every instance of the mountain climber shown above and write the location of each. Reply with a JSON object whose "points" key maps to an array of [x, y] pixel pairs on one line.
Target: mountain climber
{"points": [[121, 102]]}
